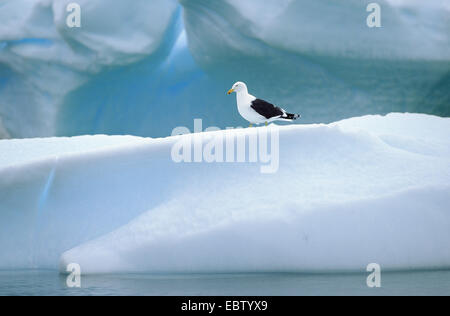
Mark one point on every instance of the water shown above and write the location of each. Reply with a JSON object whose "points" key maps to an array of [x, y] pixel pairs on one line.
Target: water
{"points": [[42, 282]]}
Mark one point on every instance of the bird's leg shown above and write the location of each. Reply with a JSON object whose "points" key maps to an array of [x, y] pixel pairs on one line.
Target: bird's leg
{"points": [[251, 125], [267, 123]]}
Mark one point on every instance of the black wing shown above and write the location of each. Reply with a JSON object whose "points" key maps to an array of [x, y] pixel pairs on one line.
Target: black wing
{"points": [[266, 109]]}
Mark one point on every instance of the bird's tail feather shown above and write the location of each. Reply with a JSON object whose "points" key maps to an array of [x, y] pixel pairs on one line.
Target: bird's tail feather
{"points": [[290, 117]]}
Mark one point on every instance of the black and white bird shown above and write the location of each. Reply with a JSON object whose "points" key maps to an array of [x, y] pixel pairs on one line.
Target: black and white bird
{"points": [[258, 111]]}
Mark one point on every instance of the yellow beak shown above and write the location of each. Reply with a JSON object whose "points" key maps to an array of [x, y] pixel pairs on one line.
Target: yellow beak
{"points": [[230, 91]]}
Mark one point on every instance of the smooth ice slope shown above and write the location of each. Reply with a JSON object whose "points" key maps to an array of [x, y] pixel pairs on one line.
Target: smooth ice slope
{"points": [[369, 189], [49, 190], [346, 195]]}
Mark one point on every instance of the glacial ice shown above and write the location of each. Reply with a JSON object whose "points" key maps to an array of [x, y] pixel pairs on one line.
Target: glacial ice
{"points": [[362, 190], [42, 60], [122, 73], [320, 59], [411, 30]]}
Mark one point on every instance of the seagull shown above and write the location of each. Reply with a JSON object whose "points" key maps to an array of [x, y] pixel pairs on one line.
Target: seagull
{"points": [[258, 111]]}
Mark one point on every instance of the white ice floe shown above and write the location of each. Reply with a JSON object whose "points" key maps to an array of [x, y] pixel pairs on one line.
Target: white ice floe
{"points": [[368, 189]]}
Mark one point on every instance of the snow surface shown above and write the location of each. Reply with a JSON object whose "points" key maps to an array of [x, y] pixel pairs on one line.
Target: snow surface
{"points": [[363, 190]]}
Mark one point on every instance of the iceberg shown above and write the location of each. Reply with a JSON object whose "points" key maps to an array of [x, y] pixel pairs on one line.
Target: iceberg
{"points": [[346, 194], [42, 59], [129, 65], [230, 28], [321, 59]]}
